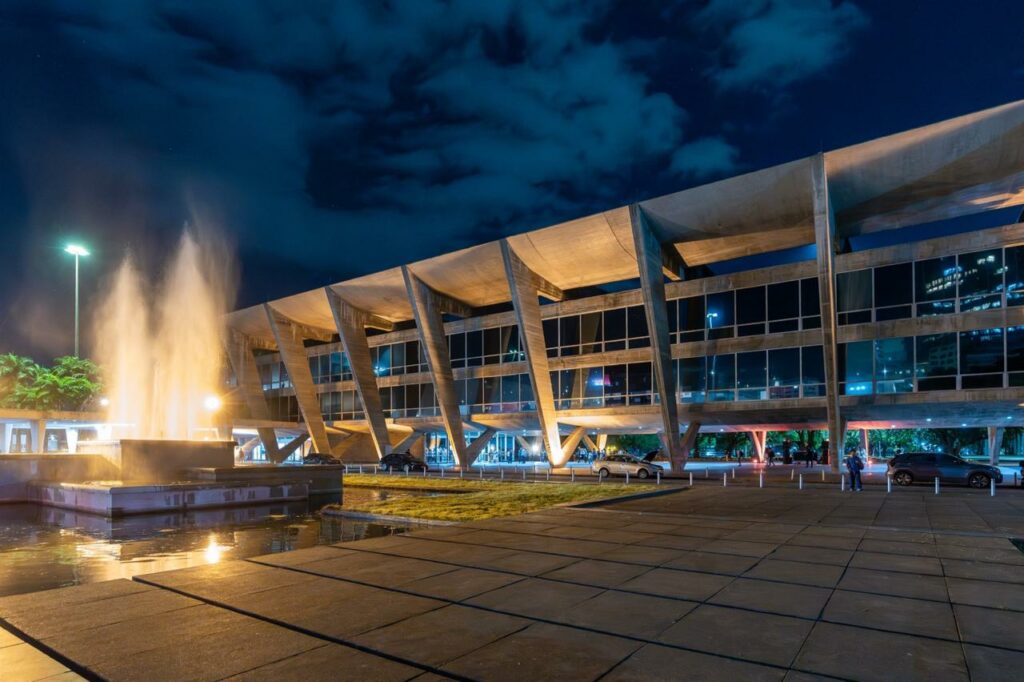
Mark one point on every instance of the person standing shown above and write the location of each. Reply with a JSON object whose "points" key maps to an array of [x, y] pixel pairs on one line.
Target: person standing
{"points": [[854, 464]]}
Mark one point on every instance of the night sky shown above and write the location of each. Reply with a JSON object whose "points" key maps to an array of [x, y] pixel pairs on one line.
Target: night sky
{"points": [[333, 139]]}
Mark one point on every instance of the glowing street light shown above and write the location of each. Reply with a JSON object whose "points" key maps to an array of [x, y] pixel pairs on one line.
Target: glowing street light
{"points": [[211, 403], [77, 251]]}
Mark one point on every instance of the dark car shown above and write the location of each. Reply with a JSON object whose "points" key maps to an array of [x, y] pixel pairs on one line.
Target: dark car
{"points": [[320, 458], [402, 461], [924, 467]]}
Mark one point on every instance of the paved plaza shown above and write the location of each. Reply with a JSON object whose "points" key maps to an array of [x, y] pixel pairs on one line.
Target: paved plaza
{"points": [[703, 583]]}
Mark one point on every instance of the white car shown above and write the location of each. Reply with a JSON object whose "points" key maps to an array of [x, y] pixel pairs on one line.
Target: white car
{"points": [[621, 464]]}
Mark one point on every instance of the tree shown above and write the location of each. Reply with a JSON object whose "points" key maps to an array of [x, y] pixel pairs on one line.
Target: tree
{"points": [[69, 385], [641, 443], [953, 440]]}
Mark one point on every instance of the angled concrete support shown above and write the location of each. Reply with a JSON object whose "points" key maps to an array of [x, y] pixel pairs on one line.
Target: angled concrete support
{"points": [[406, 444], [525, 286], [865, 442], [428, 308], [995, 443], [289, 338], [572, 441], [649, 256], [602, 442], [689, 440], [293, 445], [824, 239], [247, 376], [757, 439], [589, 442], [473, 450], [351, 323]]}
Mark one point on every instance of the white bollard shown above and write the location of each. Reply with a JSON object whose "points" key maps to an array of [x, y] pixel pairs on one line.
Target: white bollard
{"points": [[572, 475], [691, 479], [936, 485], [627, 478], [822, 474], [801, 481], [547, 474], [760, 480], [424, 472], [888, 483], [792, 474], [407, 473], [460, 474], [842, 482], [657, 475], [442, 472], [992, 487], [524, 473], [705, 472], [360, 468], [481, 473], [502, 473], [725, 479], [733, 471]]}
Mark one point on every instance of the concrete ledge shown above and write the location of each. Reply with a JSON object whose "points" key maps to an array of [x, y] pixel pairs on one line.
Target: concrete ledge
{"points": [[384, 518], [626, 498]]}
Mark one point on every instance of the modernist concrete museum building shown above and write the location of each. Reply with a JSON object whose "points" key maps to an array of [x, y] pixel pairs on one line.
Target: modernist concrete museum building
{"points": [[513, 344]]}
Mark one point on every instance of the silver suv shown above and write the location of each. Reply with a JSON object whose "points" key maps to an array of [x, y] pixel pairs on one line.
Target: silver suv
{"points": [[621, 464]]}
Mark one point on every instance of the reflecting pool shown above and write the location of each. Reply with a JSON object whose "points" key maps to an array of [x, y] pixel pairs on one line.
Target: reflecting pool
{"points": [[43, 548]]}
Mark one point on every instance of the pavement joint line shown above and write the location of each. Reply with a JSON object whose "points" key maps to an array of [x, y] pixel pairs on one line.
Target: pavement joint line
{"points": [[306, 631], [706, 601], [37, 644], [546, 621]]}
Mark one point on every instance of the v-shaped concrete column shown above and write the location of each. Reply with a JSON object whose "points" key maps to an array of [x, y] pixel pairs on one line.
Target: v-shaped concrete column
{"points": [[351, 323], [758, 439], [651, 258], [525, 286], [824, 239], [428, 308], [474, 449], [690, 438], [995, 443], [243, 362], [289, 342], [572, 441]]}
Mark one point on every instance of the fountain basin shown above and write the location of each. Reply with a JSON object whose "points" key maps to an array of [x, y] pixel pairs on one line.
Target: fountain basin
{"points": [[115, 498], [164, 461]]}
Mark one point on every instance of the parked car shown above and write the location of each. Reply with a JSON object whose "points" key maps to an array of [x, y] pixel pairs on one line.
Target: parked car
{"points": [[622, 463], [402, 461], [320, 458], [924, 467]]}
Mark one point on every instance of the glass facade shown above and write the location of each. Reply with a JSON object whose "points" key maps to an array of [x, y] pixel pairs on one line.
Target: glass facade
{"points": [[948, 284]]}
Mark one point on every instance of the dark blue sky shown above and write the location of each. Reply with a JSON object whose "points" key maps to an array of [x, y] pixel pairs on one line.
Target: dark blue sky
{"points": [[332, 139]]}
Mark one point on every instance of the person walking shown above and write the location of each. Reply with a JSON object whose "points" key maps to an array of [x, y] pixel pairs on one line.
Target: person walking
{"points": [[769, 455], [854, 464]]}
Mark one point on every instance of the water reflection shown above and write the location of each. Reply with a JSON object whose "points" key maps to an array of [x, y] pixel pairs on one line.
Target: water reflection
{"points": [[43, 548]]}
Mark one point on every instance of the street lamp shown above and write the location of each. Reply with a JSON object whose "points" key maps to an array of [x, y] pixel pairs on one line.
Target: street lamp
{"points": [[77, 251]]}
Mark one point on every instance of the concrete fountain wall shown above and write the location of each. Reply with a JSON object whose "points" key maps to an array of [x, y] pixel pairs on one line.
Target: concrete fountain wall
{"points": [[165, 461]]}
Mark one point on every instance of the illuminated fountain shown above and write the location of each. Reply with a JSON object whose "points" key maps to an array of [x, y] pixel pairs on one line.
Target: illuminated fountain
{"points": [[161, 349]]}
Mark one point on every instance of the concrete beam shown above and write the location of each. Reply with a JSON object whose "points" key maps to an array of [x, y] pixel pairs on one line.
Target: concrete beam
{"points": [[672, 265], [602, 442], [428, 308], [824, 237], [351, 323], [523, 285], [652, 286], [474, 449], [572, 441], [293, 445], [689, 441], [995, 442], [289, 342], [247, 376], [757, 439]]}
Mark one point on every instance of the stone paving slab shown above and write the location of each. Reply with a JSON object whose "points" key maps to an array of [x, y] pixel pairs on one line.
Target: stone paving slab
{"points": [[703, 584]]}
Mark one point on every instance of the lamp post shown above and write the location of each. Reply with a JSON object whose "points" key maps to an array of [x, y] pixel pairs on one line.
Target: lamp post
{"points": [[714, 358], [76, 251]]}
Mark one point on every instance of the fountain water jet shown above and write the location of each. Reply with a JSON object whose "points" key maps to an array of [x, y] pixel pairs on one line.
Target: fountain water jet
{"points": [[161, 350]]}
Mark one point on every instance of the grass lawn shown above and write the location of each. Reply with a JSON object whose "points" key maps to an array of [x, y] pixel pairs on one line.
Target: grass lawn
{"points": [[477, 500]]}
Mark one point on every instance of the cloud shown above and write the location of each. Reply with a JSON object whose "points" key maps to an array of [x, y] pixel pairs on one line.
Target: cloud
{"points": [[770, 44], [705, 157]]}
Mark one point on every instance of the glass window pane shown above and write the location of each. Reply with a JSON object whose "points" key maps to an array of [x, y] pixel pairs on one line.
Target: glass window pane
{"points": [[492, 390], [784, 300], [492, 341], [590, 332], [639, 383], [398, 357], [894, 285], [474, 344], [457, 344], [721, 372], [855, 367], [936, 355], [812, 365], [637, 321], [853, 290], [810, 303], [614, 384], [1015, 349], [784, 367], [981, 351], [1015, 275], [615, 324], [751, 370], [720, 310], [383, 365], [692, 375], [510, 344], [510, 388], [894, 365], [750, 305], [593, 390], [935, 279], [981, 272], [691, 313]]}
